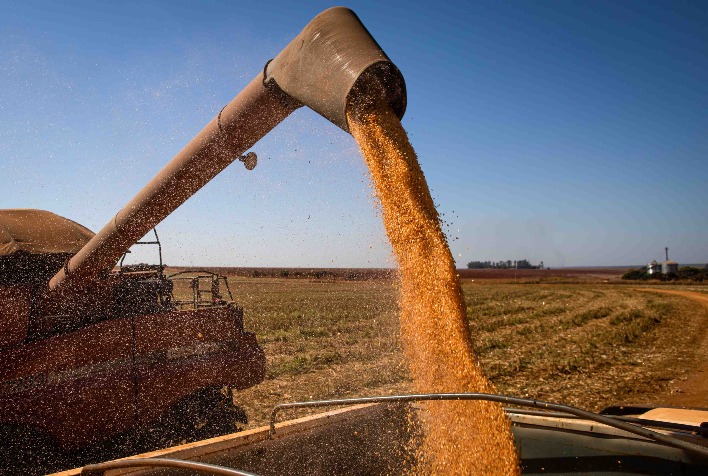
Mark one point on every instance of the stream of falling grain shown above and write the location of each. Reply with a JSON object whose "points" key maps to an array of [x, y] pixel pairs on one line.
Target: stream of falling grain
{"points": [[459, 437]]}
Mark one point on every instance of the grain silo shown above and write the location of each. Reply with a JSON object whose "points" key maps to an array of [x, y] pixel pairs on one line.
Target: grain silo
{"points": [[653, 267], [668, 266]]}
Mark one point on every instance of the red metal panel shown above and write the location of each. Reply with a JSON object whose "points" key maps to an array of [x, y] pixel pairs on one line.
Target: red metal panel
{"points": [[183, 328], [14, 314]]}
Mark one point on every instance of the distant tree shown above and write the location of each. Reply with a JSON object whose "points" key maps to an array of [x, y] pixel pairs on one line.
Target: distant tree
{"points": [[508, 264], [694, 274], [635, 274]]}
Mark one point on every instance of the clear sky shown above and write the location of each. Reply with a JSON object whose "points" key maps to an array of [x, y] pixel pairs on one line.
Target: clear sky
{"points": [[575, 133]]}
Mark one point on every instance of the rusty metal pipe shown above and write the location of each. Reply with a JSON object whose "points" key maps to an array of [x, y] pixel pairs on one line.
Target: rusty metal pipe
{"points": [[334, 64], [99, 469]]}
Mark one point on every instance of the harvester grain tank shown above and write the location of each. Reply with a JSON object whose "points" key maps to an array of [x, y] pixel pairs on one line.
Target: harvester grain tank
{"points": [[88, 352]]}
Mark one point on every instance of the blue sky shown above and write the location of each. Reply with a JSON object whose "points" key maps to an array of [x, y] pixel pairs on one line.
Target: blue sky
{"points": [[575, 133]]}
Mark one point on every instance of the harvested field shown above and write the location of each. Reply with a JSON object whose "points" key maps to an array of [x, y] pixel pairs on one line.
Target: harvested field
{"points": [[585, 345], [349, 274], [555, 275]]}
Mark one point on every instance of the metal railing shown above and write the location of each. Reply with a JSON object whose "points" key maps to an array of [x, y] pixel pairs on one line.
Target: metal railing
{"points": [[206, 288], [100, 468], [523, 402]]}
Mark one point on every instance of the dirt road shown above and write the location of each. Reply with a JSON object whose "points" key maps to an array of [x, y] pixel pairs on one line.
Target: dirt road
{"points": [[693, 391]]}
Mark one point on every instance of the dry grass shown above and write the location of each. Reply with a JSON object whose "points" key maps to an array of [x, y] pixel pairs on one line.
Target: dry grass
{"points": [[322, 340], [587, 345]]}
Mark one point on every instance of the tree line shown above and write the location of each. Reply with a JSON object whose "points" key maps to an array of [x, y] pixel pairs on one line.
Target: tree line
{"points": [[688, 273], [508, 264]]}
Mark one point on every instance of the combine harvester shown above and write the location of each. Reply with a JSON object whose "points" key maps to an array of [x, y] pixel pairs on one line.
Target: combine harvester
{"points": [[89, 353]]}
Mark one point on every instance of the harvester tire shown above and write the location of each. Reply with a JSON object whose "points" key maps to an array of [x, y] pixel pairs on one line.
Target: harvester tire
{"points": [[206, 413]]}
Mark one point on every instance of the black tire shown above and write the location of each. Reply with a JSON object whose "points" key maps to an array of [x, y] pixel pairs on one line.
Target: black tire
{"points": [[206, 413]]}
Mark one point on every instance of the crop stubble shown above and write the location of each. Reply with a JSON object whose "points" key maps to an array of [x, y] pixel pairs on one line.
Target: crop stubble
{"points": [[584, 345]]}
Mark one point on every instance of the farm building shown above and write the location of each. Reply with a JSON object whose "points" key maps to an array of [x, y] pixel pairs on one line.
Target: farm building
{"points": [[667, 267], [653, 267]]}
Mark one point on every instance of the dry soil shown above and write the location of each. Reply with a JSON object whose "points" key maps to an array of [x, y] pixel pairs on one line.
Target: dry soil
{"points": [[691, 391]]}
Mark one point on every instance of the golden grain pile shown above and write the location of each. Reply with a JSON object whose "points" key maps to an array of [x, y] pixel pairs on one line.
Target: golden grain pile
{"points": [[459, 438]]}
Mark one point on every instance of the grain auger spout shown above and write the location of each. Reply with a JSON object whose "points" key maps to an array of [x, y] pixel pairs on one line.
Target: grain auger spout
{"points": [[332, 65]]}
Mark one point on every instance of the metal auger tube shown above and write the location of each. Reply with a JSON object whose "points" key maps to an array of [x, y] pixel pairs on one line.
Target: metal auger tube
{"points": [[334, 64]]}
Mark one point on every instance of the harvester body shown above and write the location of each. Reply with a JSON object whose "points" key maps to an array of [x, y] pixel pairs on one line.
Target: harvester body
{"points": [[115, 356]]}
